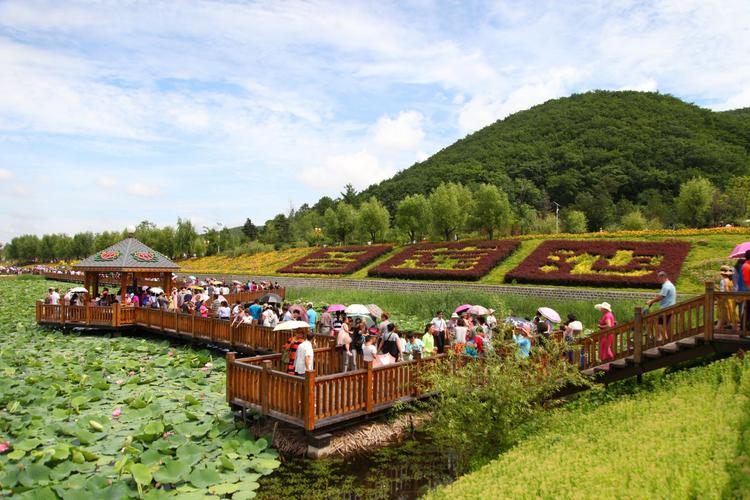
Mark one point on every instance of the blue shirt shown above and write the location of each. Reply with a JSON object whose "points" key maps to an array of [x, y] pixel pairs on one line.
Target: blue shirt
{"points": [[312, 317], [524, 346], [255, 310], [669, 295]]}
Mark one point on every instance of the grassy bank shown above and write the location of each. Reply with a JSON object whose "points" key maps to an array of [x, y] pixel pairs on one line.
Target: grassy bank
{"points": [[683, 435], [710, 248]]}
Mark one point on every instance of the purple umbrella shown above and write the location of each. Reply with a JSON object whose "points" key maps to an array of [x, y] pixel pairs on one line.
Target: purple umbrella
{"points": [[336, 308], [739, 250], [462, 308], [302, 312]]}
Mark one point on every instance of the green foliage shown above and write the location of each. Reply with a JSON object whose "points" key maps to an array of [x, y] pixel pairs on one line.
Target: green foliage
{"points": [[373, 219], [413, 216], [249, 229], [490, 211], [634, 221], [449, 205], [478, 407], [338, 223], [694, 201], [683, 435], [574, 221], [98, 417], [599, 143]]}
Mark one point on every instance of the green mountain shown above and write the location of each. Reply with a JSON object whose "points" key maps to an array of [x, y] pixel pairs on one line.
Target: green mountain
{"points": [[588, 149]]}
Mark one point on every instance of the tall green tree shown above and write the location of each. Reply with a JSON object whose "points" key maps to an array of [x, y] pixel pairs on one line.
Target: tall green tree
{"points": [[574, 221], [694, 201], [339, 223], [349, 195], [413, 216], [249, 230], [185, 237], [448, 203], [373, 219], [490, 211]]}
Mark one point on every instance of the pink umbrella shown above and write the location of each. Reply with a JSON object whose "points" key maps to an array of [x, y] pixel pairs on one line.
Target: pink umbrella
{"points": [[550, 314], [478, 311], [462, 308], [336, 308], [739, 250], [302, 312]]}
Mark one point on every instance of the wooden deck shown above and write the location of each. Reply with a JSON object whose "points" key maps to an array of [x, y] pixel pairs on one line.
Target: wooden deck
{"points": [[326, 397]]}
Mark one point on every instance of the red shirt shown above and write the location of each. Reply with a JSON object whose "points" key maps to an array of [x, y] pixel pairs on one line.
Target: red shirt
{"points": [[479, 341], [746, 274]]}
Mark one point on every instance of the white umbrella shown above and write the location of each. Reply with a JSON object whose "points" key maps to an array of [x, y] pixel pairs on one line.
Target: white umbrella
{"points": [[358, 309], [550, 314], [291, 325], [156, 289], [79, 289], [478, 311]]}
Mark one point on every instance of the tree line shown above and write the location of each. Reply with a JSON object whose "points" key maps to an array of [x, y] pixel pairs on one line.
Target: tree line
{"points": [[450, 211]]}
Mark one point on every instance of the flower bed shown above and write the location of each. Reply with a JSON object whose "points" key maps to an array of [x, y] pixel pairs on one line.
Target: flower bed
{"points": [[336, 260], [601, 263], [464, 260]]}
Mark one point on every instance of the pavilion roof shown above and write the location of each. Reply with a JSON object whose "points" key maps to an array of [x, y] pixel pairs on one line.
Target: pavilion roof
{"points": [[127, 255]]}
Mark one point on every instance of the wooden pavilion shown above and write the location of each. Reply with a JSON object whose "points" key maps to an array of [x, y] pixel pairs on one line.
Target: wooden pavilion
{"points": [[133, 262]]}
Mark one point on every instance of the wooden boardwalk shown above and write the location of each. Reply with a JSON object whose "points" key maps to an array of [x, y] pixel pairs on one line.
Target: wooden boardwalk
{"points": [[325, 398]]}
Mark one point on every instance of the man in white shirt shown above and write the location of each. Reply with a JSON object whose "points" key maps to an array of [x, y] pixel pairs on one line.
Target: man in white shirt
{"points": [[305, 354], [54, 297], [440, 325]]}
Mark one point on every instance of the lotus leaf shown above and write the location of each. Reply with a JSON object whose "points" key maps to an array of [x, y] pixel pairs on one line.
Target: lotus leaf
{"points": [[172, 471]]}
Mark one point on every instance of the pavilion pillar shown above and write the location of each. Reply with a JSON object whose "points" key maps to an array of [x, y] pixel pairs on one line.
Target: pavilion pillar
{"points": [[166, 283], [94, 283], [123, 286]]}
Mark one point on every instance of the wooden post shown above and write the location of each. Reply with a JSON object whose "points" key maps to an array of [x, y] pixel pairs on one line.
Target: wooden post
{"points": [[231, 333], [230, 371], [88, 313], [308, 400], [38, 311], [417, 377], [369, 389], [161, 319], [62, 311], [192, 325], [638, 335], [708, 312], [123, 286], [264, 388], [116, 314]]}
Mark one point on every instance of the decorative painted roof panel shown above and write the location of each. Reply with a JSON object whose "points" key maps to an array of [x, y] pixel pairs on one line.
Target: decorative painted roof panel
{"points": [[126, 254]]}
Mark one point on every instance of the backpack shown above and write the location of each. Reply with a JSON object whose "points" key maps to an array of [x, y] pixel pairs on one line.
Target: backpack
{"points": [[358, 342], [390, 346]]}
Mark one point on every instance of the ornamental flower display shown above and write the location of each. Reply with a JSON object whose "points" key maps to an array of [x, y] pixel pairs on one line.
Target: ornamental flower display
{"points": [[601, 263], [107, 255], [464, 260], [337, 260], [145, 256]]}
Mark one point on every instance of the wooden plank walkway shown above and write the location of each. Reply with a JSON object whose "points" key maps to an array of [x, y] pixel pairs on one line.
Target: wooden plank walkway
{"points": [[326, 397]]}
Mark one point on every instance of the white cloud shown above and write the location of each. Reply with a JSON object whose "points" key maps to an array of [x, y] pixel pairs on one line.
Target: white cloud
{"points": [[403, 132], [360, 169], [5, 174], [647, 85], [739, 100], [143, 190], [106, 181]]}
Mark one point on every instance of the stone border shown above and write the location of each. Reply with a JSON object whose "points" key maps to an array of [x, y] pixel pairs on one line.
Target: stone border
{"points": [[561, 293]]}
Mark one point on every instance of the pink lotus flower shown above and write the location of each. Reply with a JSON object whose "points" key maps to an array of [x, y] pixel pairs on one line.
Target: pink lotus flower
{"points": [[170, 353], [209, 365], [205, 369], [167, 434], [116, 413], [131, 373], [119, 381], [4, 446]]}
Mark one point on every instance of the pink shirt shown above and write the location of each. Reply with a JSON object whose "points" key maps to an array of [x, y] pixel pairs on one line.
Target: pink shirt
{"points": [[607, 319]]}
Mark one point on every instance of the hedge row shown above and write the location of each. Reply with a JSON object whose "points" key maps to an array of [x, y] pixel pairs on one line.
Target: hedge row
{"points": [[336, 260], [468, 260], [648, 257]]}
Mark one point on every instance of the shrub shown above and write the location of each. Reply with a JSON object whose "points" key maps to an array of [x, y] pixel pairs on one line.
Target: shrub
{"points": [[601, 263], [464, 260], [336, 260]]}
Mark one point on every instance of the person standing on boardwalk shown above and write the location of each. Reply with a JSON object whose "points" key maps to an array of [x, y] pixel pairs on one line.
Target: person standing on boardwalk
{"points": [[291, 347], [312, 316], [344, 346], [666, 297], [428, 341], [727, 312], [439, 333], [304, 360], [606, 322], [326, 322]]}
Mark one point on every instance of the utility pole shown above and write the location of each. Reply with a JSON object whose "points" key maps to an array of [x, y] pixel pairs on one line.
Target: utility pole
{"points": [[557, 217]]}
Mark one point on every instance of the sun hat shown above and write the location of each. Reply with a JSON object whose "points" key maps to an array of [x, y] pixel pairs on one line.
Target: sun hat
{"points": [[603, 305], [726, 270], [576, 326], [455, 316]]}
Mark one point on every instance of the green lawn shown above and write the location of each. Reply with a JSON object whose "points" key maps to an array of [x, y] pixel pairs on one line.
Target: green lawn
{"points": [[683, 435]]}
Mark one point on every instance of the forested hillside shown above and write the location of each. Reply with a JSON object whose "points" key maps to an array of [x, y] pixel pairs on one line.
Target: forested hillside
{"points": [[589, 151]]}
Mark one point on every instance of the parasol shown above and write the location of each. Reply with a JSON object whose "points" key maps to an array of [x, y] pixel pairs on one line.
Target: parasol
{"points": [[291, 325], [478, 311], [301, 310], [79, 289], [550, 314], [462, 308], [357, 309], [739, 250], [336, 308], [156, 290], [271, 298], [374, 310]]}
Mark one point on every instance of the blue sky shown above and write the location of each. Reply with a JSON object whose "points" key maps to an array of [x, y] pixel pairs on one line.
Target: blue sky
{"points": [[114, 112]]}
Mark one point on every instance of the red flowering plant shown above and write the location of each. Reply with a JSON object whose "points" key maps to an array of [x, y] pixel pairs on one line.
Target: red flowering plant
{"points": [[601, 263], [464, 260], [336, 260]]}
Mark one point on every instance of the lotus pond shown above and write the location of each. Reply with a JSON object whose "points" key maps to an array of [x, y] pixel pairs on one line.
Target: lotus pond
{"points": [[84, 416]]}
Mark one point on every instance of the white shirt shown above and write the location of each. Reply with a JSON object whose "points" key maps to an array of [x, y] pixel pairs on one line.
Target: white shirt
{"points": [[439, 324], [54, 298], [369, 352], [305, 349], [461, 334], [491, 321], [224, 312]]}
